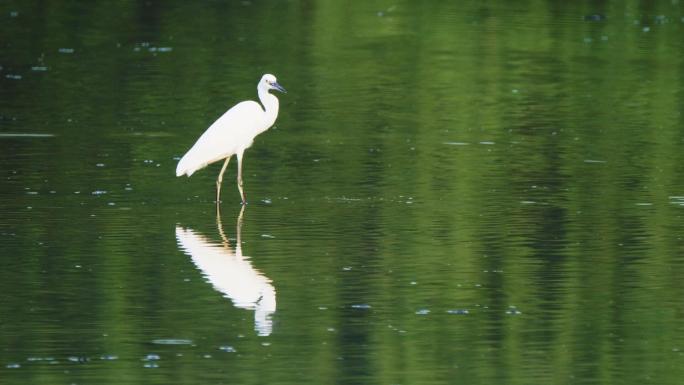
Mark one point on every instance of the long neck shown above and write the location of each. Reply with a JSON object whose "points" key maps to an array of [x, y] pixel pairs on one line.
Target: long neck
{"points": [[270, 103]]}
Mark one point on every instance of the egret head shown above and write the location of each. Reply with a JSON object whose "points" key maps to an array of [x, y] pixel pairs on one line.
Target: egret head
{"points": [[269, 82]]}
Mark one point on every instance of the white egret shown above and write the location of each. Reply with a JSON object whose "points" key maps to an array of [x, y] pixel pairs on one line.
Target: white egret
{"points": [[233, 133]]}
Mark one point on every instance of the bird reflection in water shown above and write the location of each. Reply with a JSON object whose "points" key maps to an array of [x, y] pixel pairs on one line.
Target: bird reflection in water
{"points": [[231, 273]]}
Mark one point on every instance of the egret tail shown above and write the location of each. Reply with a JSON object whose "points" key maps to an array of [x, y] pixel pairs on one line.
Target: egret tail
{"points": [[195, 160], [185, 167]]}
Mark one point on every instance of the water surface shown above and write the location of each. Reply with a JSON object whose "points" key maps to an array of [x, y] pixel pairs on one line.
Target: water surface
{"points": [[453, 193]]}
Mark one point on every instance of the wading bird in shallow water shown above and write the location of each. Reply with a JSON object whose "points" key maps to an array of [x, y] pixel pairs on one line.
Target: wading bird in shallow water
{"points": [[233, 133]]}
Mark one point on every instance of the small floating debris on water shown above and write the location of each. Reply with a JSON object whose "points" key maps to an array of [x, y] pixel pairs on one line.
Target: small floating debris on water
{"points": [[595, 17], [37, 359], [362, 306], [458, 311], [78, 360], [13, 77], [227, 349], [423, 311], [528, 202], [677, 200], [457, 143], [66, 50], [98, 192], [145, 44], [661, 19], [512, 310], [13, 365], [488, 143], [39, 68], [109, 357], [151, 365], [160, 49], [49, 360], [152, 357], [24, 135], [14, 13], [99, 165], [172, 341], [266, 201], [644, 204], [154, 134], [268, 236], [339, 199], [594, 161]]}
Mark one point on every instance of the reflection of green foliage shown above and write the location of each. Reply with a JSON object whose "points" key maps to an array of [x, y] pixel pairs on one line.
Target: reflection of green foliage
{"points": [[428, 156]]}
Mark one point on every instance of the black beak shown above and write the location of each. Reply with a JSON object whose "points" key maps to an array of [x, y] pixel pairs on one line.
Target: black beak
{"points": [[278, 87]]}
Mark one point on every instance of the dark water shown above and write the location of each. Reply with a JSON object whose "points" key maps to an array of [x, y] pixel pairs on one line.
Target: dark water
{"points": [[467, 193]]}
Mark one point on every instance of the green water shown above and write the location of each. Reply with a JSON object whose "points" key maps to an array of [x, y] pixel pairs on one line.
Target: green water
{"points": [[453, 193]]}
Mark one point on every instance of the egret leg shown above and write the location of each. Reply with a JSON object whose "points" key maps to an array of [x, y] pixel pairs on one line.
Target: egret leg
{"points": [[219, 226], [239, 179], [238, 227], [220, 179]]}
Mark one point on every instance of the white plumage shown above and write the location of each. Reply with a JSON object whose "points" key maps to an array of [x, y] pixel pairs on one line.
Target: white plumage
{"points": [[231, 273], [233, 133]]}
